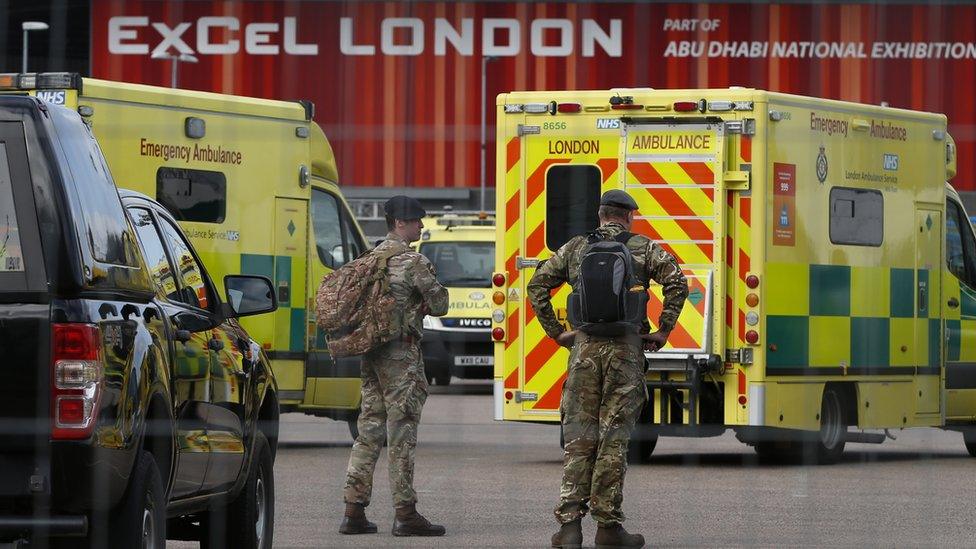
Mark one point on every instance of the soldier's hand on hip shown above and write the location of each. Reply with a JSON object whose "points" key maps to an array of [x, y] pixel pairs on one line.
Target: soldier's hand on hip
{"points": [[566, 339], [654, 342]]}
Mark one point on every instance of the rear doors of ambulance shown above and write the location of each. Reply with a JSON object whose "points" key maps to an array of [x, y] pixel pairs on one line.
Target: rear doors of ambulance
{"points": [[671, 169], [674, 169]]}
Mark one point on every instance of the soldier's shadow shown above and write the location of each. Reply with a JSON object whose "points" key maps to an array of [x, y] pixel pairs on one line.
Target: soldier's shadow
{"points": [[313, 444]]}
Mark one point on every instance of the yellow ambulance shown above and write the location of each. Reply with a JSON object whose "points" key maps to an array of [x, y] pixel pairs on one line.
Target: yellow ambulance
{"points": [[254, 184], [832, 269], [461, 246]]}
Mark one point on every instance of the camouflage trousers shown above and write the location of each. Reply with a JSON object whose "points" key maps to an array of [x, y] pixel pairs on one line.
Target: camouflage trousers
{"points": [[601, 400], [394, 392]]}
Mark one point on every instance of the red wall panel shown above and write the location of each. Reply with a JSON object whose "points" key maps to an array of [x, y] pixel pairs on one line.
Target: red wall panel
{"points": [[414, 119]]}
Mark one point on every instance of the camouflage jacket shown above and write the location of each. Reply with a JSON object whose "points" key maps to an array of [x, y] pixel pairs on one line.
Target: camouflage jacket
{"points": [[414, 286], [651, 262]]}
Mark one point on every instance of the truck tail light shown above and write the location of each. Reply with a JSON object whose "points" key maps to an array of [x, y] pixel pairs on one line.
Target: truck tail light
{"points": [[627, 107], [498, 334], [498, 298], [76, 380], [569, 107], [752, 337], [498, 279]]}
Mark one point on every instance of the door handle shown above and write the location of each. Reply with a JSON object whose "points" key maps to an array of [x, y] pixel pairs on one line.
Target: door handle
{"points": [[953, 302]]}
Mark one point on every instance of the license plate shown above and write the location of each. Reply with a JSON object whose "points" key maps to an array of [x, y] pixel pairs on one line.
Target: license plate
{"points": [[474, 360]]}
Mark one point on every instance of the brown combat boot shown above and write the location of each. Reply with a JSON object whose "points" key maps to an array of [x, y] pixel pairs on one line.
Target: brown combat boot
{"points": [[614, 535], [569, 536], [408, 522], [354, 521]]}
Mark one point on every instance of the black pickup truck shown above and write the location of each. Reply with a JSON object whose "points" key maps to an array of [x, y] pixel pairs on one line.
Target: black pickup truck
{"points": [[133, 406]]}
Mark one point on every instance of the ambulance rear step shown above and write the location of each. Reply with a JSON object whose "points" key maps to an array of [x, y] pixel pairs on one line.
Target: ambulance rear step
{"points": [[693, 366]]}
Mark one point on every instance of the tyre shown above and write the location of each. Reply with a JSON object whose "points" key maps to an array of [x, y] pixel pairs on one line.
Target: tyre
{"points": [[247, 522], [829, 444], [641, 447], [140, 519], [969, 437], [443, 378], [777, 451]]}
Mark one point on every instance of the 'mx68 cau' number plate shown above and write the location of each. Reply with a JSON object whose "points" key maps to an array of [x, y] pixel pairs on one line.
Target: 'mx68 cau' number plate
{"points": [[474, 360]]}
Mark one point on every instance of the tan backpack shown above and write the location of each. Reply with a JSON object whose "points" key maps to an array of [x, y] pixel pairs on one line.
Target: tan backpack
{"points": [[354, 305]]}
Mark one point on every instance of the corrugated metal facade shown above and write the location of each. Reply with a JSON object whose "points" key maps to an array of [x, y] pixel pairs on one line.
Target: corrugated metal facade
{"points": [[408, 114]]}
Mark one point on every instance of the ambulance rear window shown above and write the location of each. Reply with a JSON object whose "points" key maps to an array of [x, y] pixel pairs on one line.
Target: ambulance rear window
{"points": [[192, 195], [856, 217], [572, 201]]}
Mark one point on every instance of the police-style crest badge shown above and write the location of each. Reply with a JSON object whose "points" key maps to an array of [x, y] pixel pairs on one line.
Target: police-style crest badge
{"points": [[822, 165]]}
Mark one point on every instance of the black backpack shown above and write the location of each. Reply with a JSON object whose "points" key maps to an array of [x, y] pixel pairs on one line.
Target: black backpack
{"points": [[607, 300]]}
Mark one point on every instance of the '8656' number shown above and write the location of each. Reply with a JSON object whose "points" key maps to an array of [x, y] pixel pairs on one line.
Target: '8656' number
{"points": [[554, 125]]}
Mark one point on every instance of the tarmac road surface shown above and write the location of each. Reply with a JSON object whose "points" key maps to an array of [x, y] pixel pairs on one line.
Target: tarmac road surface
{"points": [[494, 484]]}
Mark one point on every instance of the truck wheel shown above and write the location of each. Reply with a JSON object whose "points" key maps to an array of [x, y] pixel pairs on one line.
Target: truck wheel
{"points": [[969, 437], [140, 519], [777, 451], [250, 517], [443, 378], [829, 445], [641, 447]]}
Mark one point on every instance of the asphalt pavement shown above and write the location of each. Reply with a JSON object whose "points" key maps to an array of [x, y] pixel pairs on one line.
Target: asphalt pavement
{"points": [[494, 484]]}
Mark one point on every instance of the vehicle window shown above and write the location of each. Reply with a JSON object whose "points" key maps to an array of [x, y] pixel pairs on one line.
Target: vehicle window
{"points": [[325, 224], [154, 252], [192, 195], [352, 246], [107, 229], [856, 217], [572, 201], [11, 254], [464, 264], [960, 245], [193, 287]]}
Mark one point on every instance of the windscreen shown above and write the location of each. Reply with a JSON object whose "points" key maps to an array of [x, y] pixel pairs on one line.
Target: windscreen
{"points": [[461, 264]]}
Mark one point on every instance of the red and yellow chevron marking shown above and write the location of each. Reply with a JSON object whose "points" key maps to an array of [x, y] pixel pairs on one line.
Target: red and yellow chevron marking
{"points": [[743, 238], [676, 206], [740, 225], [672, 173], [512, 244], [690, 331], [543, 361]]}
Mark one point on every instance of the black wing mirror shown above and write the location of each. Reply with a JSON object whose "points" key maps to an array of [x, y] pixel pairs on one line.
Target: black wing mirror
{"points": [[191, 323], [249, 295]]}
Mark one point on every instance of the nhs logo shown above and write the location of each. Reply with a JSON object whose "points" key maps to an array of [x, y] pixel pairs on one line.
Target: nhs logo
{"points": [[55, 97], [607, 123], [891, 162]]}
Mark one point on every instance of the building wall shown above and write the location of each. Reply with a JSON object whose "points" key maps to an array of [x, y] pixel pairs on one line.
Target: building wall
{"points": [[397, 84]]}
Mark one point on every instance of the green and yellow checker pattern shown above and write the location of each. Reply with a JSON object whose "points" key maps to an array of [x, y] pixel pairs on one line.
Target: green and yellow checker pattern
{"points": [[285, 328], [859, 319], [960, 321]]}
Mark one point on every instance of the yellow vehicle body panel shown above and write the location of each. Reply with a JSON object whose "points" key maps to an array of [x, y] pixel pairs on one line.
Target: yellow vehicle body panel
{"points": [[464, 301], [273, 160], [838, 210]]}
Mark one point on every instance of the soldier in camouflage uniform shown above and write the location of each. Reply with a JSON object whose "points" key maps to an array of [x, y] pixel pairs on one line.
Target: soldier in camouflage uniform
{"points": [[604, 390], [394, 385]]}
